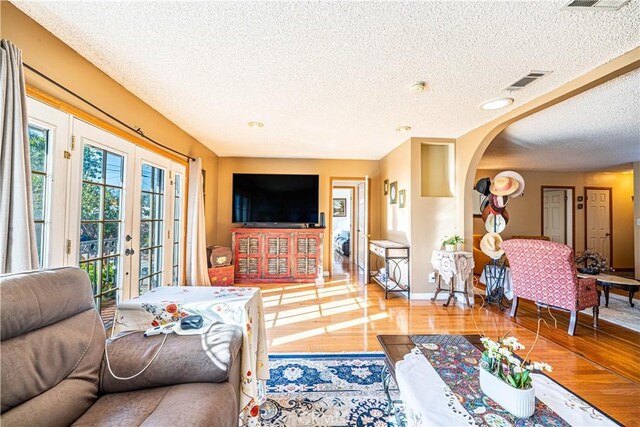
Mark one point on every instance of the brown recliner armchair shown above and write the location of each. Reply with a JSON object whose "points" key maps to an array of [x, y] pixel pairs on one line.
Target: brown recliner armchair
{"points": [[54, 372]]}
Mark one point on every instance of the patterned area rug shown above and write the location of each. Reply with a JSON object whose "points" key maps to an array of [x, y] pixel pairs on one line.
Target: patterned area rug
{"points": [[619, 312], [326, 390]]}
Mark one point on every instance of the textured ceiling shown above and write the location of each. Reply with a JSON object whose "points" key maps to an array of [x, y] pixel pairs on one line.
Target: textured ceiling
{"points": [[596, 130], [330, 79]]}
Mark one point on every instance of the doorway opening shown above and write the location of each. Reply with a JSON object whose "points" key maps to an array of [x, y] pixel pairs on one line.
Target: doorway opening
{"points": [[348, 227], [558, 214]]}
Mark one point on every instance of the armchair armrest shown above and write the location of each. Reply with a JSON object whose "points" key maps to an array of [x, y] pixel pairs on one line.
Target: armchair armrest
{"points": [[182, 359]]}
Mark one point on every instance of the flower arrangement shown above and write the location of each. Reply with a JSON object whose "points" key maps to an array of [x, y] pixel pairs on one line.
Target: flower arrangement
{"points": [[592, 262], [498, 359]]}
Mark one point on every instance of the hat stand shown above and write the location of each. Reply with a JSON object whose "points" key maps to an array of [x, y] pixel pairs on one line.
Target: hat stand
{"points": [[495, 273]]}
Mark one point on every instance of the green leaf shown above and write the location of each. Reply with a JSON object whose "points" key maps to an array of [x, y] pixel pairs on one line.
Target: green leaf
{"points": [[512, 381]]}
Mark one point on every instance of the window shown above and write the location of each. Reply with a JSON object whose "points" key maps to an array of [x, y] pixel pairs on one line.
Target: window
{"points": [[39, 153]]}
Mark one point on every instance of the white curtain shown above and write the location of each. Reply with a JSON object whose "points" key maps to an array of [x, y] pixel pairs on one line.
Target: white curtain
{"points": [[197, 274], [18, 251]]}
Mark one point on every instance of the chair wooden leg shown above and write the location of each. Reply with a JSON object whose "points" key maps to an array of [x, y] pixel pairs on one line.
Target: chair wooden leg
{"points": [[596, 312], [573, 322], [514, 306]]}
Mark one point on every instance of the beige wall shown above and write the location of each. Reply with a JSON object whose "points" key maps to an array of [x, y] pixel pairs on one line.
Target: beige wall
{"points": [[525, 214], [46, 53], [433, 219], [424, 221], [323, 167]]}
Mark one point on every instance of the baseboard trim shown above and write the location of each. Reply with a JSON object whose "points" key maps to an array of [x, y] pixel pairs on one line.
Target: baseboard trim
{"points": [[428, 295]]}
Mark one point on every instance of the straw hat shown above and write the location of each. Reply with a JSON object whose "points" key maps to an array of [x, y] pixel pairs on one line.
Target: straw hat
{"points": [[491, 245], [517, 177], [497, 223], [504, 186]]}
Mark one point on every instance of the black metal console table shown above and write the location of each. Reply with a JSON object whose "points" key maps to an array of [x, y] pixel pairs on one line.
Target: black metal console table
{"points": [[393, 255]]}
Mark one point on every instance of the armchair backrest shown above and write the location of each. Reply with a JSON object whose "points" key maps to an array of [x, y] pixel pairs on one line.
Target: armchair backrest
{"points": [[52, 341], [543, 271]]}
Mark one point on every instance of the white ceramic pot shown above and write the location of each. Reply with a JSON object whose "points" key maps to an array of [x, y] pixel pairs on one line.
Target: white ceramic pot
{"points": [[451, 248], [520, 403]]}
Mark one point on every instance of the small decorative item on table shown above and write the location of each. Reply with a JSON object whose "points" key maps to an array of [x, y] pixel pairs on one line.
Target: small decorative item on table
{"points": [[221, 276], [591, 262], [506, 379]]}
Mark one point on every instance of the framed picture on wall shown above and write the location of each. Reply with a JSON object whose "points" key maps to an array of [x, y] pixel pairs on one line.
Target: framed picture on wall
{"points": [[393, 192], [340, 207], [386, 187], [402, 195]]}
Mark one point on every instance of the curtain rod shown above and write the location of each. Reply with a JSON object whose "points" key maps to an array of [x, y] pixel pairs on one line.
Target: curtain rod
{"points": [[138, 130]]}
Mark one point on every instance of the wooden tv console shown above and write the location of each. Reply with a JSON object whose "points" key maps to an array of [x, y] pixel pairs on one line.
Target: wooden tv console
{"points": [[277, 255]]}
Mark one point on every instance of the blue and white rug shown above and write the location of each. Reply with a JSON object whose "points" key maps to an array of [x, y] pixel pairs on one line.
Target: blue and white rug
{"points": [[326, 390]]}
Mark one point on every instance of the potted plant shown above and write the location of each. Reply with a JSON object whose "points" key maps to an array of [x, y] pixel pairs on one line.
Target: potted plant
{"points": [[507, 379], [453, 243]]}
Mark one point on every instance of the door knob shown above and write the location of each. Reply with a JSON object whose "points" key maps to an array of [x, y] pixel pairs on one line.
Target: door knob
{"points": [[128, 238], [129, 252], [608, 234]]}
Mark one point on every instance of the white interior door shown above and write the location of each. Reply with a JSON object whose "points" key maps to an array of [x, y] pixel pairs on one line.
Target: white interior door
{"points": [[598, 221], [554, 210]]}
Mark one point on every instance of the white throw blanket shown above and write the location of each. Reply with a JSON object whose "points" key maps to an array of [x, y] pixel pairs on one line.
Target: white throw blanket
{"points": [[430, 402]]}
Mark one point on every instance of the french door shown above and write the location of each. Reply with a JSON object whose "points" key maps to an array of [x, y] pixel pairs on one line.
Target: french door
{"points": [[127, 215]]}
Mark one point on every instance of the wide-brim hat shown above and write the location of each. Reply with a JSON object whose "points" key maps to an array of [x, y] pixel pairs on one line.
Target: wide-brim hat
{"points": [[517, 177], [504, 186], [485, 202], [497, 204], [486, 212], [496, 223], [491, 245], [482, 186]]}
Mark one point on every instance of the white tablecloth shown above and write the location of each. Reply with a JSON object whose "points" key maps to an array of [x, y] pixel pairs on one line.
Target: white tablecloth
{"points": [[230, 305], [430, 402], [507, 283]]}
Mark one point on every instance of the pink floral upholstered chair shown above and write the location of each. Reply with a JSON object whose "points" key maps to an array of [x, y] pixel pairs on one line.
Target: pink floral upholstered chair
{"points": [[544, 272]]}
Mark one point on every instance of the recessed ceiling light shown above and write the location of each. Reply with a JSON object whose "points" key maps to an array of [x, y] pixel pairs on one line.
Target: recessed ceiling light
{"points": [[496, 104], [418, 87], [255, 125], [403, 129]]}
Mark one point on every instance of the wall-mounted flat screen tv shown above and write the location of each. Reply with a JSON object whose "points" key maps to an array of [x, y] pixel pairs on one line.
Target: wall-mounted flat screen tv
{"points": [[266, 198]]}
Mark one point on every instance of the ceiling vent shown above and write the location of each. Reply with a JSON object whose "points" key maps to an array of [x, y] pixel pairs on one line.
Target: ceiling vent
{"points": [[525, 81], [610, 5]]}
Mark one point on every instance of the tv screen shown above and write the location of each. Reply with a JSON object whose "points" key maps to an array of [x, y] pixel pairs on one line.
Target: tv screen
{"points": [[275, 198]]}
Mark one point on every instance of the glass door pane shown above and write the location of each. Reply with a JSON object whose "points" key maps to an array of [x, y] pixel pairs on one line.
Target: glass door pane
{"points": [[152, 218], [101, 224]]}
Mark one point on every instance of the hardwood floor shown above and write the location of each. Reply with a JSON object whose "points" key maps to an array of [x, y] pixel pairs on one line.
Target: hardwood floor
{"points": [[345, 316]]}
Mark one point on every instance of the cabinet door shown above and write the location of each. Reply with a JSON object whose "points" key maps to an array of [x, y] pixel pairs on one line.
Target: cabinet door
{"points": [[248, 248], [277, 255], [307, 250]]}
